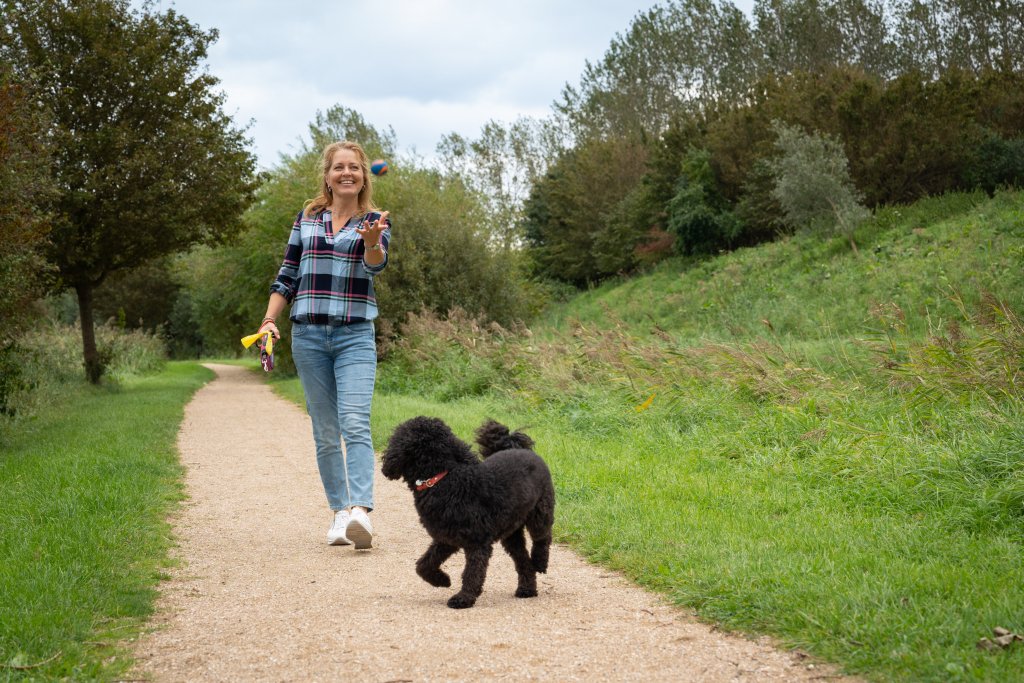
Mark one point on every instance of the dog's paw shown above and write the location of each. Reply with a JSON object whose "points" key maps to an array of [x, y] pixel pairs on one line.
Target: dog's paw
{"points": [[437, 579], [433, 575], [526, 592], [461, 601]]}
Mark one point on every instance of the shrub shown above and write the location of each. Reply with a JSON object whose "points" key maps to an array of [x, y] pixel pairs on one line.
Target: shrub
{"points": [[454, 356], [12, 379], [53, 353], [812, 183], [998, 162], [698, 214]]}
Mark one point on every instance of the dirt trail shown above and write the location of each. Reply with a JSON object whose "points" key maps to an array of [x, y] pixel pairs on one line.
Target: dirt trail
{"points": [[259, 596]]}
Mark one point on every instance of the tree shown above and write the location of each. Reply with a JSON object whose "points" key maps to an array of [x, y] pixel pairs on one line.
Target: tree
{"points": [[502, 165], [572, 219], [812, 183], [682, 55], [342, 123], [145, 161], [814, 35], [698, 214], [24, 185], [935, 36]]}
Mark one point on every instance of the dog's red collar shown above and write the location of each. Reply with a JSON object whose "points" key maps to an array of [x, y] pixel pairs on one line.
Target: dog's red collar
{"points": [[424, 484]]}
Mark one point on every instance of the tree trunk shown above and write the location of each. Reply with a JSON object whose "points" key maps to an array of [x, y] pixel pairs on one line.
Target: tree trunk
{"points": [[93, 363]]}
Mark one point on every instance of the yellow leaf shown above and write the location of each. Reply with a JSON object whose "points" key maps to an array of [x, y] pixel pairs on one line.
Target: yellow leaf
{"points": [[646, 404]]}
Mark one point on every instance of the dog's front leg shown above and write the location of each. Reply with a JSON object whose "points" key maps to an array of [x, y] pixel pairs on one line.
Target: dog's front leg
{"points": [[429, 566], [473, 577]]}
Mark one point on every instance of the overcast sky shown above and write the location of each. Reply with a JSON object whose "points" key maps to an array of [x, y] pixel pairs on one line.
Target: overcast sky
{"points": [[424, 67]]}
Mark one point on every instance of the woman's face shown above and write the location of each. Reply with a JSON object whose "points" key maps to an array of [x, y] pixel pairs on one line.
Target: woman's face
{"points": [[345, 176]]}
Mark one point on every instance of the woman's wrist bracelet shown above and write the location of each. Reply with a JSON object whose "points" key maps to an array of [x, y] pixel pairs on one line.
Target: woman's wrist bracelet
{"points": [[375, 247], [266, 320]]}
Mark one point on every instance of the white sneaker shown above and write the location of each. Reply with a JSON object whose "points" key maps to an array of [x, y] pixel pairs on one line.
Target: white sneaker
{"points": [[359, 529], [336, 534]]}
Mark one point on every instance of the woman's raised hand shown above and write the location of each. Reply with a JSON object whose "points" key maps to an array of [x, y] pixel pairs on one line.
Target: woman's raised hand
{"points": [[371, 232]]}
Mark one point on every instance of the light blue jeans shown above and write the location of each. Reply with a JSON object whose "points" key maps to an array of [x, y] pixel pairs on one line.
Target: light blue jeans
{"points": [[337, 367]]}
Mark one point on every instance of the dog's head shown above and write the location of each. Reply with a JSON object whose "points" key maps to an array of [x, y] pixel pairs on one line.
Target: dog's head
{"points": [[421, 447]]}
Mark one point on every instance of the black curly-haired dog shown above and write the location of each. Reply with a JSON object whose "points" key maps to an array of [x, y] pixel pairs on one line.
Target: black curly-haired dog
{"points": [[468, 503]]}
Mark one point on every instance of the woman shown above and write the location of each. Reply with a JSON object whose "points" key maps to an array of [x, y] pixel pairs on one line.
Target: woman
{"points": [[337, 245]]}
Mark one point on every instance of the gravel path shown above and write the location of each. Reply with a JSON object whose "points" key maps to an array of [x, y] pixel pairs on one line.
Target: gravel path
{"points": [[259, 596]]}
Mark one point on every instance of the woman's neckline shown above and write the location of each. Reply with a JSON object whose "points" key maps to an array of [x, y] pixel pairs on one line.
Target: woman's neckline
{"points": [[347, 220], [337, 226]]}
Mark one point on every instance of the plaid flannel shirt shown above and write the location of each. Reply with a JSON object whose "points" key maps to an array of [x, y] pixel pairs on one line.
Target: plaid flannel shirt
{"points": [[324, 276]]}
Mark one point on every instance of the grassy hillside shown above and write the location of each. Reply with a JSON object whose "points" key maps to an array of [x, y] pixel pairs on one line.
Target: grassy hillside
{"points": [[914, 257], [848, 478]]}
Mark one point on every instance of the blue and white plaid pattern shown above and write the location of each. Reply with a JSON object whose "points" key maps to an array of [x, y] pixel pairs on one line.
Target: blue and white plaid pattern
{"points": [[324, 276]]}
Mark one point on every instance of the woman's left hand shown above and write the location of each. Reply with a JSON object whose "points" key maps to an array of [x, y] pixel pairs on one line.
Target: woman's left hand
{"points": [[372, 231]]}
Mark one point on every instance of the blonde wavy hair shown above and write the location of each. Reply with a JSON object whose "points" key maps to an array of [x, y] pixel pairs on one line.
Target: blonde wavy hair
{"points": [[324, 200]]}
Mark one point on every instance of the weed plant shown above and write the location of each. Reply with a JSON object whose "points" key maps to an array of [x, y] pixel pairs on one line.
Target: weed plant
{"points": [[49, 359], [127, 353], [457, 356]]}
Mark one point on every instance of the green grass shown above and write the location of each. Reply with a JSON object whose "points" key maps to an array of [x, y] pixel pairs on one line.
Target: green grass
{"points": [[87, 487], [880, 542], [809, 288], [883, 551], [881, 535], [850, 484]]}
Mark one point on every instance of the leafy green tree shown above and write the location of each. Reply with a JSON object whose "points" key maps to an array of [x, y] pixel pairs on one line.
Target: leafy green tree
{"points": [[146, 163], [572, 218], [683, 54], [815, 35], [502, 165], [25, 186], [904, 138], [936, 36], [698, 55], [910, 138], [997, 162], [443, 256], [140, 298], [342, 123], [560, 248], [812, 183], [698, 215], [1000, 102], [646, 207]]}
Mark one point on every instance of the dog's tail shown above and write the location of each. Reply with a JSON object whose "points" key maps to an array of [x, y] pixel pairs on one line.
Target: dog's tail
{"points": [[493, 437]]}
